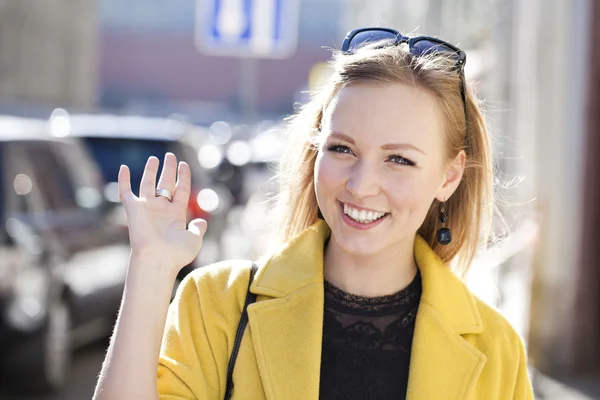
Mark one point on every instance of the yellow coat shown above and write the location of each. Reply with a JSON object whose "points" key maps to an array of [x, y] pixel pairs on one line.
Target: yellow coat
{"points": [[462, 348]]}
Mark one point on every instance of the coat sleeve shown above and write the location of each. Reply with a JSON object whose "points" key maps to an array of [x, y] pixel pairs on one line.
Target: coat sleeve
{"points": [[187, 368], [523, 388]]}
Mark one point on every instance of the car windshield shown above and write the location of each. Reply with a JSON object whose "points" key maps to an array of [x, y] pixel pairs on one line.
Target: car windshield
{"points": [[110, 153]]}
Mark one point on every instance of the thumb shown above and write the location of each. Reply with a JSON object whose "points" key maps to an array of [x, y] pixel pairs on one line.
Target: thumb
{"points": [[198, 227]]}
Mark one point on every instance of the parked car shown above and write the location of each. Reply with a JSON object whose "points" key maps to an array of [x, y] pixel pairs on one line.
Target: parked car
{"points": [[63, 259], [114, 140]]}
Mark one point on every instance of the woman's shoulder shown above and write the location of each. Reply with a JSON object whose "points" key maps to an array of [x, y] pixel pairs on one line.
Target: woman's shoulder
{"points": [[498, 332], [210, 298], [494, 320], [220, 277], [222, 272]]}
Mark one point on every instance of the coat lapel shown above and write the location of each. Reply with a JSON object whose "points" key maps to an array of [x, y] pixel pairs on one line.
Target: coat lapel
{"points": [[443, 364], [287, 325]]}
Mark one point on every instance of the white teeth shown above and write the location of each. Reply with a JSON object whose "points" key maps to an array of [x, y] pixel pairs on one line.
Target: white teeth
{"points": [[362, 216]]}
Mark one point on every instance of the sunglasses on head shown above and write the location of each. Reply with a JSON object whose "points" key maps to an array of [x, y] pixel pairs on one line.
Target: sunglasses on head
{"points": [[418, 46]]}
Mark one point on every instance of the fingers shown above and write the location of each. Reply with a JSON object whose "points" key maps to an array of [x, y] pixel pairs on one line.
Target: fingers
{"points": [[148, 182], [124, 183], [173, 177], [168, 173], [198, 227], [183, 186]]}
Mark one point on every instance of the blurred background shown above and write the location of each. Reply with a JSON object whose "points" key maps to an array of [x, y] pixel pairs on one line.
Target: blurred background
{"points": [[88, 85]]}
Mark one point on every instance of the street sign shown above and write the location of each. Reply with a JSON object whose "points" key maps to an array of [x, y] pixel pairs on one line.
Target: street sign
{"points": [[247, 28]]}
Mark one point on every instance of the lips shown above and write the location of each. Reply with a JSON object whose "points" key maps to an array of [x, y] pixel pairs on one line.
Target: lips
{"points": [[361, 218]]}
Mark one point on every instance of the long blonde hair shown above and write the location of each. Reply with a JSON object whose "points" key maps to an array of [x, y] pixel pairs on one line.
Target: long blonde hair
{"points": [[469, 209]]}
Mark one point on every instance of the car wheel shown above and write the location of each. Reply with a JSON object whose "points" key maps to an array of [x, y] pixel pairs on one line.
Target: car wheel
{"points": [[44, 363]]}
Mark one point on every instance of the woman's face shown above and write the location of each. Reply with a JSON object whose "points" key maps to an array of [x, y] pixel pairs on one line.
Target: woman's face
{"points": [[381, 162]]}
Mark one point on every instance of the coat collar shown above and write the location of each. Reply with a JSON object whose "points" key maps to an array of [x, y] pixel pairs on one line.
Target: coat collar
{"points": [[287, 325], [300, 263], [294, 266]]}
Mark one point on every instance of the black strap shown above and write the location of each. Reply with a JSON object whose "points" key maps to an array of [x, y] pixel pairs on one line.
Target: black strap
{"points": [[250, 298]]}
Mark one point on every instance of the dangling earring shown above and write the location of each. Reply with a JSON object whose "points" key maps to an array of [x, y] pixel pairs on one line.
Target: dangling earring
{"points": [[444, 236]]}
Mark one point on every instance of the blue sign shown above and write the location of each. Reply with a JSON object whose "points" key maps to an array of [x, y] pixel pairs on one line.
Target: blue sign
{"points": [[247, 28]]}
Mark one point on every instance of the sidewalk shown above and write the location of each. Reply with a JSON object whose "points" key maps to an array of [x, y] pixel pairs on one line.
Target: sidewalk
{"points": [[550, 389]]}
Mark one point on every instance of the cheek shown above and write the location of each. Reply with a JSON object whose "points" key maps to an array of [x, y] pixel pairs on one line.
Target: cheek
{"points": [[328, 175], [410, 191]]}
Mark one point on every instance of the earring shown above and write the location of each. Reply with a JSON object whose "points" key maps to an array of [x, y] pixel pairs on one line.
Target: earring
{"points": [[444, 236]]}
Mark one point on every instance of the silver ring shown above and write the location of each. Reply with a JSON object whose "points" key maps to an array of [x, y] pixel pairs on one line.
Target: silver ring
{"points": [[164, 193]]}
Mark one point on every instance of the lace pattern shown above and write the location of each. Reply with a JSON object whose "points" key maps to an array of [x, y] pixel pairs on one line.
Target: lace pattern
{"points": [[367, 343], [372, 304]]}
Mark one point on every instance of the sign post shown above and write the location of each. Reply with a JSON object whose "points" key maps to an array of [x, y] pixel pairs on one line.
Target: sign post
{"points": [[247, 28]]}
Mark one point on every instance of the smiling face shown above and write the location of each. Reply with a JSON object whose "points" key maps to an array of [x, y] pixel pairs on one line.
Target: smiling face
{"points": [[381, 162]]}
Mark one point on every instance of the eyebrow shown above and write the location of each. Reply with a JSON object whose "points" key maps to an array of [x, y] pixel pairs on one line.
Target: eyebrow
{"points": [[387, 146]]}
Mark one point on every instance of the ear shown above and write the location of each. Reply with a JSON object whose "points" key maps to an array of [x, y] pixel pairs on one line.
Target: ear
{"points": [[452, 176]]}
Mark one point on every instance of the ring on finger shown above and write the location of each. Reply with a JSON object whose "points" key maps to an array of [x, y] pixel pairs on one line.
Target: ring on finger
{"points": [[164, 193]]}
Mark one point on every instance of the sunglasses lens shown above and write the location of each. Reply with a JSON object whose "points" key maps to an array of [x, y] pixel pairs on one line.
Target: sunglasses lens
{"points": [[365, 37], [425, 46]]}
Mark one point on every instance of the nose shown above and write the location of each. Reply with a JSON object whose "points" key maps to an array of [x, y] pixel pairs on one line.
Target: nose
{"points": [[362, 181]]}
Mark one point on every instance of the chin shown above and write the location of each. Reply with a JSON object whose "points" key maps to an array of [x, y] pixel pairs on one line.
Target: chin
{"points": [[359, 246]]}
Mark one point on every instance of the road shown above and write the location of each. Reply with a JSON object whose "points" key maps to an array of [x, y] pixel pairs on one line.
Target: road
{"points": [[85, 370]]}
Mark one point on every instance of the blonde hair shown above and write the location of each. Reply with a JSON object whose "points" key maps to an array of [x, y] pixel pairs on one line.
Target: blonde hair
{"points": [[469, 209]]}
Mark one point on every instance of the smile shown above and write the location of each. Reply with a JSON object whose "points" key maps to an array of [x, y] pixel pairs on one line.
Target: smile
{"points": [[361, 218]]}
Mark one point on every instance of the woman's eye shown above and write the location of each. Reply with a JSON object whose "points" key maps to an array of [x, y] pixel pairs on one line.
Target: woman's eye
{"points": [[339, 148], [401, 160]]}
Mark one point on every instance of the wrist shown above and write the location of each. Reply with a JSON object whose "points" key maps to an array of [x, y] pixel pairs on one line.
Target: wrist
{"points": [[153, 267]]}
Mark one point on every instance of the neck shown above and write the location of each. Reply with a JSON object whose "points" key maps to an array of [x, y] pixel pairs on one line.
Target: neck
{"points": [[379, 274]]}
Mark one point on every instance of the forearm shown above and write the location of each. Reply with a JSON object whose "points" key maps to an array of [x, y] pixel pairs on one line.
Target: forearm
{"points": [[130, 366]]}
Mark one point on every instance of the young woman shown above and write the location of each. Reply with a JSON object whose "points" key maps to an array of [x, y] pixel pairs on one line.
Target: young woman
{"points": [[387, 180]]}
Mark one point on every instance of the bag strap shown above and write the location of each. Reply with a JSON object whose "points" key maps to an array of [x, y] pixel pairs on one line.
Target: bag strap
{"points": [[250, 298]]}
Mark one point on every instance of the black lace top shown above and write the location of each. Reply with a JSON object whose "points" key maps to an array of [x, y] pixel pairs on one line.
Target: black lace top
{"points": [[367, 343]]}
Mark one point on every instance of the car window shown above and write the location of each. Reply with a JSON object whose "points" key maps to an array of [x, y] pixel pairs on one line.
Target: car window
{"points": [[110, 153], [52, 176], [80, 164], [86, 179]]}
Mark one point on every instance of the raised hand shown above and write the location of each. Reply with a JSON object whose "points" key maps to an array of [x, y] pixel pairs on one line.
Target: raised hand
{"points": [[157, 226]]}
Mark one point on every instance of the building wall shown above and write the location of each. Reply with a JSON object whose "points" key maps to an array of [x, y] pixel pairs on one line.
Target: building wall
{"points": [[147, 55], [169, 68], [48, 52]]}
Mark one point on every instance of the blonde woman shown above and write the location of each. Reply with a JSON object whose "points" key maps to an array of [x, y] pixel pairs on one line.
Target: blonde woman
{"points": [[387, 180]]}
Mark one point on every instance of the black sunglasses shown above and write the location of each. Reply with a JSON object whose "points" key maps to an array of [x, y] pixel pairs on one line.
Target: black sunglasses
{"points": [[418, 46]]}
